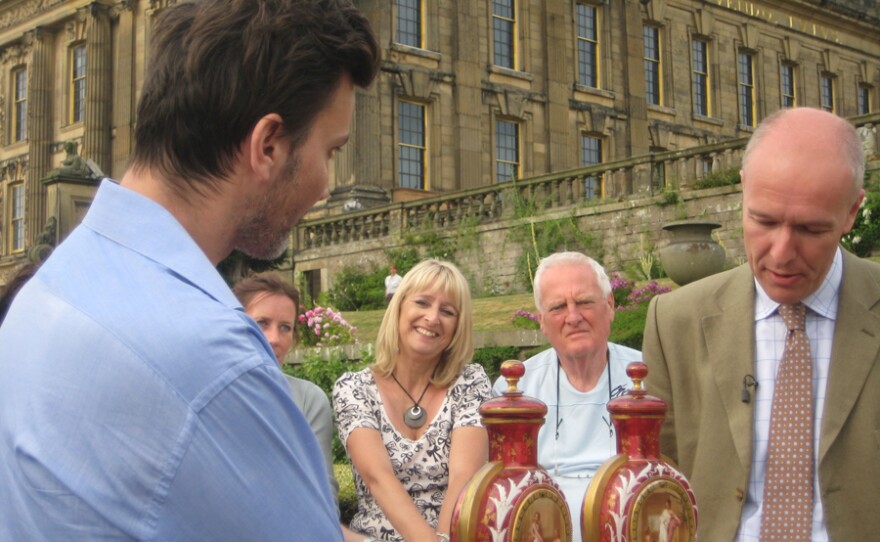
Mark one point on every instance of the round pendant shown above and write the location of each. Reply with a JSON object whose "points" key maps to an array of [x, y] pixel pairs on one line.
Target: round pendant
{"points": [[414, 417]]}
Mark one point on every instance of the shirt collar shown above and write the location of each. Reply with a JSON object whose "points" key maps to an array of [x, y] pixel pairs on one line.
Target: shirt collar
{"points": [[146, 227], [822, 302]]}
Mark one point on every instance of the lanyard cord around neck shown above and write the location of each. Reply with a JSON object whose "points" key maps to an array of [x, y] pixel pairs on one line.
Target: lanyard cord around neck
{"points": [[559, 370]]}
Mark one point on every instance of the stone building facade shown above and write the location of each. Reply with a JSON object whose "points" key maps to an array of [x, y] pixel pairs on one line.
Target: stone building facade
{"points": [[471, 93]]}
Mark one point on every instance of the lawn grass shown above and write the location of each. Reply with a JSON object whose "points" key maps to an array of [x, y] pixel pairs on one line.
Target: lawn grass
{"points": [[490, 314]]}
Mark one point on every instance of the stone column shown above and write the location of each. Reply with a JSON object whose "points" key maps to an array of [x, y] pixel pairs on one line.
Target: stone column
{"points": [[99, 75], [124, 92], [560, 57], [39, 127], [637, 142], [469, 111]]}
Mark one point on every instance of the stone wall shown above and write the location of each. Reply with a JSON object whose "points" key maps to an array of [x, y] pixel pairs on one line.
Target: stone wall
{"points": [[621, 232]]}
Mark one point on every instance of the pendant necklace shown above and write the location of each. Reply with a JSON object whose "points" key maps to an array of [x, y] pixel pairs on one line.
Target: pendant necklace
{"points": [[415, 416]]}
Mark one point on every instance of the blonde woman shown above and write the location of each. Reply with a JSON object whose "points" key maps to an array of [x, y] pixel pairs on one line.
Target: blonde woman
{"points": [[410, 422]]}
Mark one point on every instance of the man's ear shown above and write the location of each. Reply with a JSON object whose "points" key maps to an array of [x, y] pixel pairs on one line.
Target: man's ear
{"points": [[267, 147]]}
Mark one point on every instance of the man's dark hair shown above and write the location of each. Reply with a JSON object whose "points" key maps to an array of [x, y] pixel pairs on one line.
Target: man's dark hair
{"points": [[219, 66]]}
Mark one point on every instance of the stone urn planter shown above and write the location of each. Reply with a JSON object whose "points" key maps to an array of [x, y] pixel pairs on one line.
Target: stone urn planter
{"points": [[692, 253]]}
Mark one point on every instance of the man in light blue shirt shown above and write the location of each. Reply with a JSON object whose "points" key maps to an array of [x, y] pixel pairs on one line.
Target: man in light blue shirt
{"points": [[138, 401], [578, 376]]}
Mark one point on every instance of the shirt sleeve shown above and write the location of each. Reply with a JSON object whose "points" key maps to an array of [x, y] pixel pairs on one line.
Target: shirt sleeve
{"points": [[354, 404], [245, 460], [469, 392]]}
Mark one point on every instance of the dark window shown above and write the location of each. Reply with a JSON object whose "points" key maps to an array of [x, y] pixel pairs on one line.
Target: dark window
{"points": [[19, 119], [826, 93], [503, 22], [588, 46], [78, 83], [746, 85], [700, 52], [786, 85], [652, 65], [409, 22], [506, 150], [411, 145], [591, 154]]}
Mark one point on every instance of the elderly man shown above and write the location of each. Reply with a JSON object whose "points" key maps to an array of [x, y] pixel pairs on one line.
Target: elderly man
{"points": [[732, 356], [577, 376], [138, 401]]}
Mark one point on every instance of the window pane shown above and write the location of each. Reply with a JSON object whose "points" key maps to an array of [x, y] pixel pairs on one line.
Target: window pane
{"points": [[78, 83], [506, 150], [652, 64], [826, 93], [863, 105], [18, 217], [411, 146], [786, 82], [588, 46], [19, 131], [409, 19], [746, 89], [591, 153], [502, 25], [701, 77]]}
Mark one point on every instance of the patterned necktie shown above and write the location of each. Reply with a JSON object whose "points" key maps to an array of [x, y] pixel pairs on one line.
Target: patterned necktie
{"points": [[787, 513]]}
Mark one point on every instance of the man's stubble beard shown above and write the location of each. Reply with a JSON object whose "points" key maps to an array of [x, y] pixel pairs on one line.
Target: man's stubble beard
{"points": [[264, 234]]}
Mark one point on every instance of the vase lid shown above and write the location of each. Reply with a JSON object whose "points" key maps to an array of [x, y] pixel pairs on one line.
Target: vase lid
{"points": [[636, 401], [512, 403]]}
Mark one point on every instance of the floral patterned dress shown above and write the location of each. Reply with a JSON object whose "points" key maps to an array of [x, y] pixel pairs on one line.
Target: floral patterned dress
{"points": [[420, 465]]}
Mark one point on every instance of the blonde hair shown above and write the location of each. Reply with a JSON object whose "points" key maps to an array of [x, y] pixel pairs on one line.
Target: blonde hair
{"points": [[429, 275]]}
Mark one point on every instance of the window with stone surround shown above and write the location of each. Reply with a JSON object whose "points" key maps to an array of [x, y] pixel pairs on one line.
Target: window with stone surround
{"points": [[504, 33], [19, 100], [653, 67], [587, 24], [411, 145], [591, 154], [77, 83], [746, 87], [700, 76], [863, 99], [788, 96], [410, 23], [16, 217], [507, 155], [827, 92]]}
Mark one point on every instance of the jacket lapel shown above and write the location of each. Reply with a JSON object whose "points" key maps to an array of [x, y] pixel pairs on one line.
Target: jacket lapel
{"points": [[729, 332], [855, 350]]}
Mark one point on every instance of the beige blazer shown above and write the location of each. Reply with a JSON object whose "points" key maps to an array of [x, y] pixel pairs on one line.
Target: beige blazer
{"points": [[699, 343]]}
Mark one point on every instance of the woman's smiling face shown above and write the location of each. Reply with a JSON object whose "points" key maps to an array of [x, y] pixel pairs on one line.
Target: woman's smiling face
{"points": [[428, 321]]}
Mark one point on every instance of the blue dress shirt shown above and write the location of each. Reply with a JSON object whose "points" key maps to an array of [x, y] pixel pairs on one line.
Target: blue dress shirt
{"points": [[139, 402]]}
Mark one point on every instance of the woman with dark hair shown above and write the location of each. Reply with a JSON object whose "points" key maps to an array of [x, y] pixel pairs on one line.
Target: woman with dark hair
{"points": [[274, 304], [410, 422]]}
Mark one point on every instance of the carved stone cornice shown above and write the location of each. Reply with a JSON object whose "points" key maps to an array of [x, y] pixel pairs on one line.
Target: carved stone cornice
{"points": [[17, 52], [26, 11], [15, 168]]}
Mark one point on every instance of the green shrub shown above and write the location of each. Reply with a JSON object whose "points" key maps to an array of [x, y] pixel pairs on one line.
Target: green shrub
{"points": [[347, 496], [355, 289], [865, 234], [628, 328], [324, 373], [491, 358], [719, 178]]}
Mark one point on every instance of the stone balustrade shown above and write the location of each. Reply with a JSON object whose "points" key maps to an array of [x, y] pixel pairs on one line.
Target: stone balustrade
{"points": [[639, 176]]}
